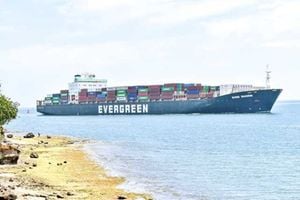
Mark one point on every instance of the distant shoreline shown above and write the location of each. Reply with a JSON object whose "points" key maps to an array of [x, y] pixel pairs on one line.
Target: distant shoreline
{"points": [[62, 169]]}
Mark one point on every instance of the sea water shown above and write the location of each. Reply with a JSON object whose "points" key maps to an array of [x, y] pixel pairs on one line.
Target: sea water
{"points": [[195, 156]]}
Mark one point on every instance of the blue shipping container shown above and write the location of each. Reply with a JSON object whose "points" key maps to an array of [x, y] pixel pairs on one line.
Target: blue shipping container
{"points": [[193, 92], [91, 94], [132, 95], [132, 98], [142, 87], [188, 84], [101, 96]]}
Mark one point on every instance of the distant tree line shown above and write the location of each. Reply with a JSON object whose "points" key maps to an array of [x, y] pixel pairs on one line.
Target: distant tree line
{"points": [[8, 111]]}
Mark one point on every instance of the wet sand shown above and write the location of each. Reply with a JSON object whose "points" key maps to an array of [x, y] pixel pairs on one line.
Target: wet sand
{"points": [[62, 170]]}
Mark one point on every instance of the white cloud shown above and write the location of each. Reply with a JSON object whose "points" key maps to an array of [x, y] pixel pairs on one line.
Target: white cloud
{"points": [[277, 22], [6, 28], [283, 43], [98, 55], [100, 5], [102, 54], [156, 11], [183, 11]]}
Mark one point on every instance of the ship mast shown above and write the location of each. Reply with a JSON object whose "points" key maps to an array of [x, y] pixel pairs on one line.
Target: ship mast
{"points": [[268, 77]]}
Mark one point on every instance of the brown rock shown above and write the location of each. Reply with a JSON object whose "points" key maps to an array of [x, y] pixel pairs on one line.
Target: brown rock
{"points": [[8, 197], [34, 155], [69, 194], [5, 194], [29, 135], [8, 154], [59, 196], [9, 136]]}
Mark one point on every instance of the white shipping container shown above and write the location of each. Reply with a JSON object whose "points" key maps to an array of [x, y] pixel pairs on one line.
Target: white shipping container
{"points": [[122, 88], [111, 88], [179, 93], [121, 99]]}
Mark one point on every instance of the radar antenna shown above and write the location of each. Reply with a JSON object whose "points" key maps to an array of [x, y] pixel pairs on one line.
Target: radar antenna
{"points": [[268, 77]]}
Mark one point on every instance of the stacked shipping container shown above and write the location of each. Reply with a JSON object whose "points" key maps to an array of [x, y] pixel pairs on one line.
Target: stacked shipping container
{"points": [[111, 95], [56, 98], [169, 91], [101, 96], [82, 96], [64, 96], [143, 93], [193, 91], [132, 93], [122, 94], [91, 96], [154, 92]]}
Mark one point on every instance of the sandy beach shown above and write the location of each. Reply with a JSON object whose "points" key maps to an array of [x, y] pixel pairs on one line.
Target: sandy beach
{"points": [[62, 170]]}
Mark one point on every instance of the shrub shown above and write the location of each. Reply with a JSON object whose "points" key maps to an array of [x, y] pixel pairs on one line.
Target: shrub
{"points": [[8, 111]]}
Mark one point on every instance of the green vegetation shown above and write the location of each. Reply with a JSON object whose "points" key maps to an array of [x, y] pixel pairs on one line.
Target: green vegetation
{"points": [[8, 111]]}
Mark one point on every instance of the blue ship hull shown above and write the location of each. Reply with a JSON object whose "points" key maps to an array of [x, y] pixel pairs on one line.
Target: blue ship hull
{"points": [[242, 102]]}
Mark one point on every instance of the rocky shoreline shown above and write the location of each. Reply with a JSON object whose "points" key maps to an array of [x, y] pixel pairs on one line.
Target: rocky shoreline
{"points": [[44, 167]]}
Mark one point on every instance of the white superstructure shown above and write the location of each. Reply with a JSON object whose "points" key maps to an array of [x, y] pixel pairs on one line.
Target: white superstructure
{"points": [[234, 88], [85, 81]]}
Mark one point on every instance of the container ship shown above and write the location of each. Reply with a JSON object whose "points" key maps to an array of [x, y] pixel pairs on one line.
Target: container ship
{"points": [[88, 95]]}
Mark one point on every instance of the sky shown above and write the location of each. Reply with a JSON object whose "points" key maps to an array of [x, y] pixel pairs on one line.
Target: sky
{"points": [[43, 44]]}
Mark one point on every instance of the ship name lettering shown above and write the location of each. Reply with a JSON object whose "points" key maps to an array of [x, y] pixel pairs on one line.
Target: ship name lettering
{"points": [[124, 108], [127, 108], [145, 108], [235, 97], [110, 109], [116, 108], [139, 108], [133, 110], [247, 96], [121, 108]]}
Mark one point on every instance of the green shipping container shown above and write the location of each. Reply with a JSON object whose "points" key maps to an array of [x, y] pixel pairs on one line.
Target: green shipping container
{"points": [[143, 90], [167, 89], [64, 94], [205, 88], [213, 88], [179, 87], [143, 98], [121, 95], [121, 91]]}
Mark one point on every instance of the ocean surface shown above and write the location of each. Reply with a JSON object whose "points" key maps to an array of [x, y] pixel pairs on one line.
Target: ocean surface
{"points": [[191, 157]]}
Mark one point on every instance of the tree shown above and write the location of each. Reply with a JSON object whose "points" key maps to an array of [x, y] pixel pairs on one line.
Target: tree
{"points": [[8, 111]]}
